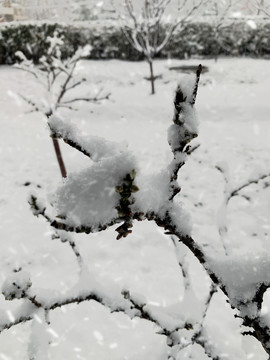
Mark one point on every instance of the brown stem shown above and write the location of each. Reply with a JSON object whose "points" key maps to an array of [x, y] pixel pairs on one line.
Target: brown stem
{"points": [[59, 157]]}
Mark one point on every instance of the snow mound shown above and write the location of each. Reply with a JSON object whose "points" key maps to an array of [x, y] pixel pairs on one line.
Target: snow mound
{"points": [[88, 197]]}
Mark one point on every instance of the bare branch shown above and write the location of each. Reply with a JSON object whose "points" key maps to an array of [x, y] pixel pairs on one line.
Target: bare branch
{"points": [[92, 100], [67, 238], [30, 102], [259, 5], [75, 84], [236, 191], [191, 150]]}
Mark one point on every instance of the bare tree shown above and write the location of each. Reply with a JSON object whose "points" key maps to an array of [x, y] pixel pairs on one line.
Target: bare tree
{"points": [[261, 7], [150, 29], [219, 15]]}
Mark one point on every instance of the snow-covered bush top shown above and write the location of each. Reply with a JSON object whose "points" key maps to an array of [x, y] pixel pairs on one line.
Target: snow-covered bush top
{"points": [[113, 190]]}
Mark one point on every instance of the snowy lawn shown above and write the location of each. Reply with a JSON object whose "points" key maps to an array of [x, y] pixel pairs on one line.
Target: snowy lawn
{"points": [[233, 109]]}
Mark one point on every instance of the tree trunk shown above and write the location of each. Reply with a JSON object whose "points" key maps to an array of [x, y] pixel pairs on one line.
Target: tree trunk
{"points": [[59, 157], [152, 78]]}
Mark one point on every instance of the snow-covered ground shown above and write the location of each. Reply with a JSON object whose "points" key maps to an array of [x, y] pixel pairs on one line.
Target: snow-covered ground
{"points": [[233, 108]]}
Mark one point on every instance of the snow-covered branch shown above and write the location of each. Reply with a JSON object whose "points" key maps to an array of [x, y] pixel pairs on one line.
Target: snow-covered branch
{"points": [[231, 191]]}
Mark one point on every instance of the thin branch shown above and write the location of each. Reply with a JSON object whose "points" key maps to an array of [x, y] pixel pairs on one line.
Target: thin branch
{"points": [[195, 90], [236, 191], [171, 229], [65, 84], [92, 100], [75, 85], [197, 337], [182, 263], [191, 150], [259, 6], [30, 102], [67, 238], [19, 320]]}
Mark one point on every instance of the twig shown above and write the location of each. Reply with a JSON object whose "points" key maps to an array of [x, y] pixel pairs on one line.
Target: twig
{"points": [[92, 100], [236, 191]]}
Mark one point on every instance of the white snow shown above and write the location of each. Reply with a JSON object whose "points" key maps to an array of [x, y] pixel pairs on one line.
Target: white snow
{"points": [[88, 198], [232, 105], [242, 274]]}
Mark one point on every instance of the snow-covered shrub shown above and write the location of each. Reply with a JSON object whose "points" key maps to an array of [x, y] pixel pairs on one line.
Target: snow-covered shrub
{"points": [[57, 77], [110, 191], [32, 40], [193, 39], [113, 191]]}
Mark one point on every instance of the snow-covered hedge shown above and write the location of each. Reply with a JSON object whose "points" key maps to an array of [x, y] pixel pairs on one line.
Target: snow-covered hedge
{"points": [[32, 40], [108, 41]]}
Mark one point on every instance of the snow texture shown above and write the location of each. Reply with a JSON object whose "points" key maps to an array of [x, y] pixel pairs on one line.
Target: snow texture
{"points": [[88, 197], [39, 339], [154, 191]]}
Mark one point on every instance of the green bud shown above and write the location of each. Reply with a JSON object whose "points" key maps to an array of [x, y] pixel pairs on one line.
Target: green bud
{"points": [[119, 189]]}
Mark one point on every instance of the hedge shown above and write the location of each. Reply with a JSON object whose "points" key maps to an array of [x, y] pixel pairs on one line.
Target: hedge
{"points": [[108, 41]]}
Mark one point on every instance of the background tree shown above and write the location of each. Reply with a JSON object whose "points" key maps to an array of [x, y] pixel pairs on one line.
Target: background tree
{"points": [[219, 14], [150, 29], [261, 7]]}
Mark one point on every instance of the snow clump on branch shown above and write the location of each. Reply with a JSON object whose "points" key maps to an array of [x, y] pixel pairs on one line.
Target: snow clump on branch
{"points": [[16, 285], [112, 189]]}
